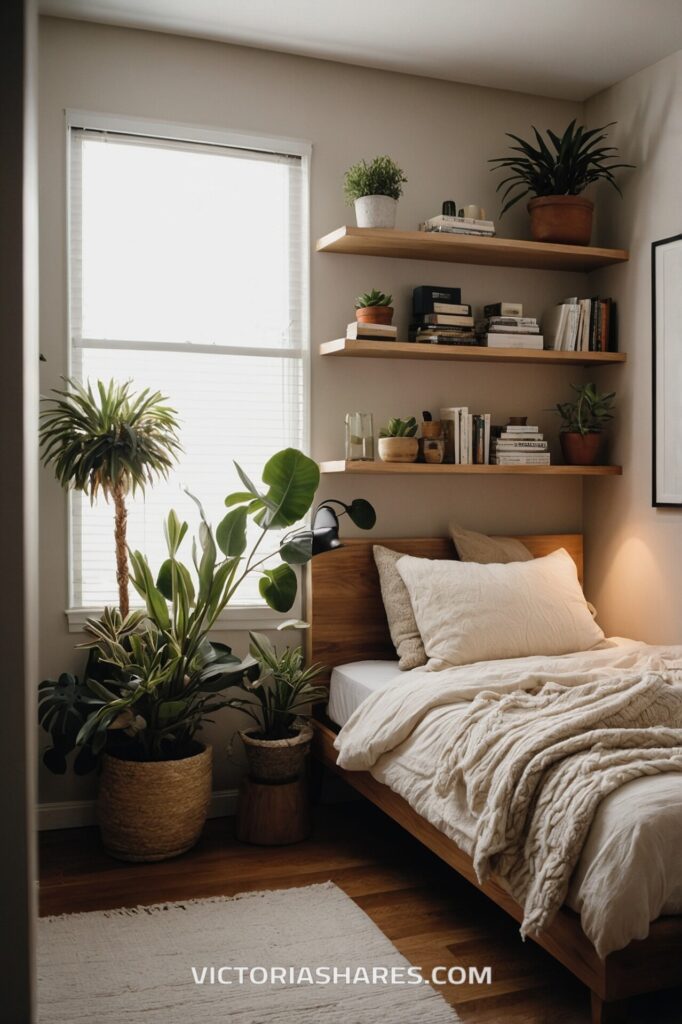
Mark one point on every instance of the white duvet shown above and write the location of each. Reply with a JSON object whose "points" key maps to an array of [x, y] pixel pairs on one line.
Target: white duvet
{"points": [[630, 871]]}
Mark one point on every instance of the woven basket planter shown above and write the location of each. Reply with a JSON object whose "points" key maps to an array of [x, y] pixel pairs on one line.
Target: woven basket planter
{"points": [[153, 810], [276, 761]]}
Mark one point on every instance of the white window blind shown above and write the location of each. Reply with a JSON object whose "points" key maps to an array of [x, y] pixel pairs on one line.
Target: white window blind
{"points": [[187, 275]]}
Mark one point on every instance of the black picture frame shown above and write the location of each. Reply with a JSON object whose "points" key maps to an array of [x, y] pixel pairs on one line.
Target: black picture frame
{"points": [[656, 398]]}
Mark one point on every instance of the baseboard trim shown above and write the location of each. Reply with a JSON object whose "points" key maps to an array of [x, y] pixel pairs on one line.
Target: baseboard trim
{"points": [[81, 813]]}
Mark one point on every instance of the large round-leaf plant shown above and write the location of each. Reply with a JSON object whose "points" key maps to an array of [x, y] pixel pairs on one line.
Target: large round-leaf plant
{"points": [[156, 677]]}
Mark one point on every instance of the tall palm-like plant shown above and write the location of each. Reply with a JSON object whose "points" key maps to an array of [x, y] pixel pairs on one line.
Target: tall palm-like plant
{"points": [[112, 440]]}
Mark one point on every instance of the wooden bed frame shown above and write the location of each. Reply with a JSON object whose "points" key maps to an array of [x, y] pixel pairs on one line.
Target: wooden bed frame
{"points": [[346, 614]]}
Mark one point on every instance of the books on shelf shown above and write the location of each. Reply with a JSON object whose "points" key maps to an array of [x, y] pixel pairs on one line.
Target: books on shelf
{"points": [[447, 320], [459, 225], [426, 296], [500, 340], [371, 332], [440, 317], [467, 436], [581, 325], [516, 445], [505, 326], [503, 309]]}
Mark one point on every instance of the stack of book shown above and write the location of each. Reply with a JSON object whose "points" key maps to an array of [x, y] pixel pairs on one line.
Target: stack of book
{"points": [[504, 326], [459, 225], [440, 317], [467, 436], [581, 325], [519, 446], [371, 332]]}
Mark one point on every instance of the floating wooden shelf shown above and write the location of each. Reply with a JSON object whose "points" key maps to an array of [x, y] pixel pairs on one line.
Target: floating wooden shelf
{"points": [[493, 252], [379, 468], [347, 348]]}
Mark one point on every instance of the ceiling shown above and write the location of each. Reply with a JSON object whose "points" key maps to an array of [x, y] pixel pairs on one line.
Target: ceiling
{"points": [[546, 47]]}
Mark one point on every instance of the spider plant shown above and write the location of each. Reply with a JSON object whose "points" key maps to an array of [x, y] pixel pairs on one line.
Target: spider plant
{"points": [[565, 165], [109, 439]]}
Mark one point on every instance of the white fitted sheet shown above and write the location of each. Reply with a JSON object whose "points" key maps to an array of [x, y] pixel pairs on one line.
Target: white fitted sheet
{"points": [[351, 684]]}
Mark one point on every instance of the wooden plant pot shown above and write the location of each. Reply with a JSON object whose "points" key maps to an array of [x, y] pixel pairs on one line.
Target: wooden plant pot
{"points": [[581, 449], [374, 314], [398, 449], [563, 219], [276, 761], [153, 810]]}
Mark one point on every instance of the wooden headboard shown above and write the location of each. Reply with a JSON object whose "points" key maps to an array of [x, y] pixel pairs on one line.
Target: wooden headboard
{"points": [[343, 597]]}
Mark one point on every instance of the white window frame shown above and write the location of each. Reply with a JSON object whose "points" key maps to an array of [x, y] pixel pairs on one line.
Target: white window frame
{"points": [[244, 617]]}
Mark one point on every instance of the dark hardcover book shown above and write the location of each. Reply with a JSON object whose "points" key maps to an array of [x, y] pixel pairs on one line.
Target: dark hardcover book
{"points": [[503, 309], [424, 296], [613, 326], [594, 323]]}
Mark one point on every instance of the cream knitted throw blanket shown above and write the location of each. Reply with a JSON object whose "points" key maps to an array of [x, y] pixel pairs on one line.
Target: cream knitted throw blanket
{"points": [[534, 767]]}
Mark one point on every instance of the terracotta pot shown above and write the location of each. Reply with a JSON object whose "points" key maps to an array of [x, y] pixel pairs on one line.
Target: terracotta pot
{"points": [[375, 211], [153, 810], [398, 449], [581, 449], [276, 761], [374, 314], [564, 219]]}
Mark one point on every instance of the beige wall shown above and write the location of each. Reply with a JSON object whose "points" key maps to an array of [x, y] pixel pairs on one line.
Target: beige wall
{"points": [[442, 134], [634, 565]]}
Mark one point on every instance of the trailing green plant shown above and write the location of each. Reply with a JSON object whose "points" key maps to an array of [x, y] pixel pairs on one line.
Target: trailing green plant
{"points": [[380, 177], [399, 428], [565, 165], [589, 413], [111, 440], [154, 676], [373, 298], [283, 690]]}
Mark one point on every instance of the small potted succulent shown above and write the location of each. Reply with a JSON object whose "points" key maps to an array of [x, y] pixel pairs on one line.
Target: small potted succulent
{"points": [[584, 420], [374, 189], [398, 441], [556, 173], [374, 308]]}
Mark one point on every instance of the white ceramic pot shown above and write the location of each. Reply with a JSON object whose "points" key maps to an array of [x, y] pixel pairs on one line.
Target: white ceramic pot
{"points": [[398, 449], [375, 211]]}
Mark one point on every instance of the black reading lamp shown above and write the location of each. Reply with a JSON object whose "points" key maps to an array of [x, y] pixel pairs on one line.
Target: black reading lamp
{"points": [[326, 522]]}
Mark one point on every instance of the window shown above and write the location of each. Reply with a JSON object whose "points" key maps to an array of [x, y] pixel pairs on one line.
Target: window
{"points": [[188, 274]]}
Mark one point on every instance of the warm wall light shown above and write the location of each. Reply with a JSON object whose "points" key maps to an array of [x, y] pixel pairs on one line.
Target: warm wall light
{"points": [[325, 531]]}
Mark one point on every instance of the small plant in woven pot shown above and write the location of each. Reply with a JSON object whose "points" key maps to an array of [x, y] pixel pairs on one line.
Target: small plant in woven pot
{"points": [[556, 172], [583, 424], [374, 308], [279, 700]]}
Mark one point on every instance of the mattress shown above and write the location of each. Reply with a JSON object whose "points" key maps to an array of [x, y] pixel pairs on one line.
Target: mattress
{"points": [[350, 684]]}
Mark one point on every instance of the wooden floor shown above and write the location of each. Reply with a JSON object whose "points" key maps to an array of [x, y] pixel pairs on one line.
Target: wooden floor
{"points": [[428, 912]]}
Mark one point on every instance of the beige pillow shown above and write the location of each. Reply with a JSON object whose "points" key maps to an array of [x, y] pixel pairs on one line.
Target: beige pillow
{"points": [[401, 621], [468, 612], [478, 547]]}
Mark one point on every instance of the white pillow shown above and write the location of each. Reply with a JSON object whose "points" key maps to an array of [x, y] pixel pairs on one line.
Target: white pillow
{"points": [[468, 612]]}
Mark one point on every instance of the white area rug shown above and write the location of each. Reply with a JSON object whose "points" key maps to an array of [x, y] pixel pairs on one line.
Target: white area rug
{"points": [[135, 966]]}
